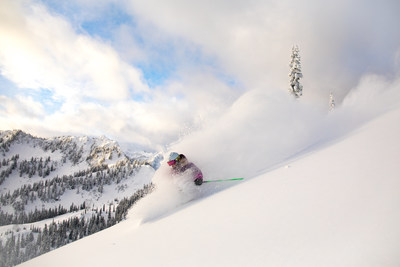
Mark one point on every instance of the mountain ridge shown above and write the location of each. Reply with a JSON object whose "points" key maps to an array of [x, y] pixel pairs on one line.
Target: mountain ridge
{"points": [[79, 177]]}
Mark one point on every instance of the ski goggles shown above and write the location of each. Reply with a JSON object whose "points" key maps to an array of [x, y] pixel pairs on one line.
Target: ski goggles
{"points": [[173, 162]]}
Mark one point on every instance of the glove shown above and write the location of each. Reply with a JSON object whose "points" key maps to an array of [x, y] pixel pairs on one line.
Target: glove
{"points": [[198, 181]]}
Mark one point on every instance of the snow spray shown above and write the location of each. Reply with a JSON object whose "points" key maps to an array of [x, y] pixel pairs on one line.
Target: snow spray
{"points": [[171, 191]]}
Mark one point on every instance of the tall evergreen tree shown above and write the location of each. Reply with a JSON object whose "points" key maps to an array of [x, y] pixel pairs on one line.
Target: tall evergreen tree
{"points": [[295, 73]]}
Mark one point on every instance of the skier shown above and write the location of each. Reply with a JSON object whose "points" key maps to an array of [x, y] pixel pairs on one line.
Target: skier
{"points": [[180, 165]]}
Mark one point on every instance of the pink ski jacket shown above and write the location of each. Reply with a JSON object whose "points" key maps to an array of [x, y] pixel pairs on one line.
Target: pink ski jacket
{"points": [[184, 165]]}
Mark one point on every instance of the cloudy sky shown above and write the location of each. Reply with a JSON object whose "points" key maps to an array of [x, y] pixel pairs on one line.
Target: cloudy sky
{"points": [[149, 71]]}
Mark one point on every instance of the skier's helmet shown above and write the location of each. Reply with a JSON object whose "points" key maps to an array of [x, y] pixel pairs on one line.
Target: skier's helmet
{"points": [[173, 158]]}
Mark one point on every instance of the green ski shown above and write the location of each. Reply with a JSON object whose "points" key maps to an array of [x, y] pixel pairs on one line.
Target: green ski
{"points": [[223, 180]]}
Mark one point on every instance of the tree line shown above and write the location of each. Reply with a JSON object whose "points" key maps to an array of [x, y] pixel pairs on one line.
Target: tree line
{"points": [[21, 247], [37, 215], [53, 189]]}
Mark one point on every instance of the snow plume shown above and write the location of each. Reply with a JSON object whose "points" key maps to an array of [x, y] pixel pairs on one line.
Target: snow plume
{"points": [[374, 94], [259, 130], [264, 127], [171, 191]]}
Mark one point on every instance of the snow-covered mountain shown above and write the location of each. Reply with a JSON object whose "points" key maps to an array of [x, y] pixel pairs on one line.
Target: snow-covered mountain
{"points": [[336, 205], [68, 176]]}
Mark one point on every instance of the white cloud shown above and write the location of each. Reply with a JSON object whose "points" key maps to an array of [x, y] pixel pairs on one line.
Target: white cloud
{"points": [[339, 41], [20, 112], [42, 50], [22, 106], [127, 45]]}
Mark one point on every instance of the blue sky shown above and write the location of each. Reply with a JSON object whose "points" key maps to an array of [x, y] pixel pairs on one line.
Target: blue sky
{"points": [[102, 23], [144, 71]]}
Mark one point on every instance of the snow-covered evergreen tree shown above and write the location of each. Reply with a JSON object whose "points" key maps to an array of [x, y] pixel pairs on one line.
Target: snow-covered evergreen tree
{"points": [[295, 73], [331, 102]]}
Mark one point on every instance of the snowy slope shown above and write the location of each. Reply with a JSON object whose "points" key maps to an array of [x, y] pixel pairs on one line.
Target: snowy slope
{"points": [[335, 206]]}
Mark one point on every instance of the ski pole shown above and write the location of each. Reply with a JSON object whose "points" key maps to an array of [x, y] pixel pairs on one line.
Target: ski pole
{"points": [[223, 180]]}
